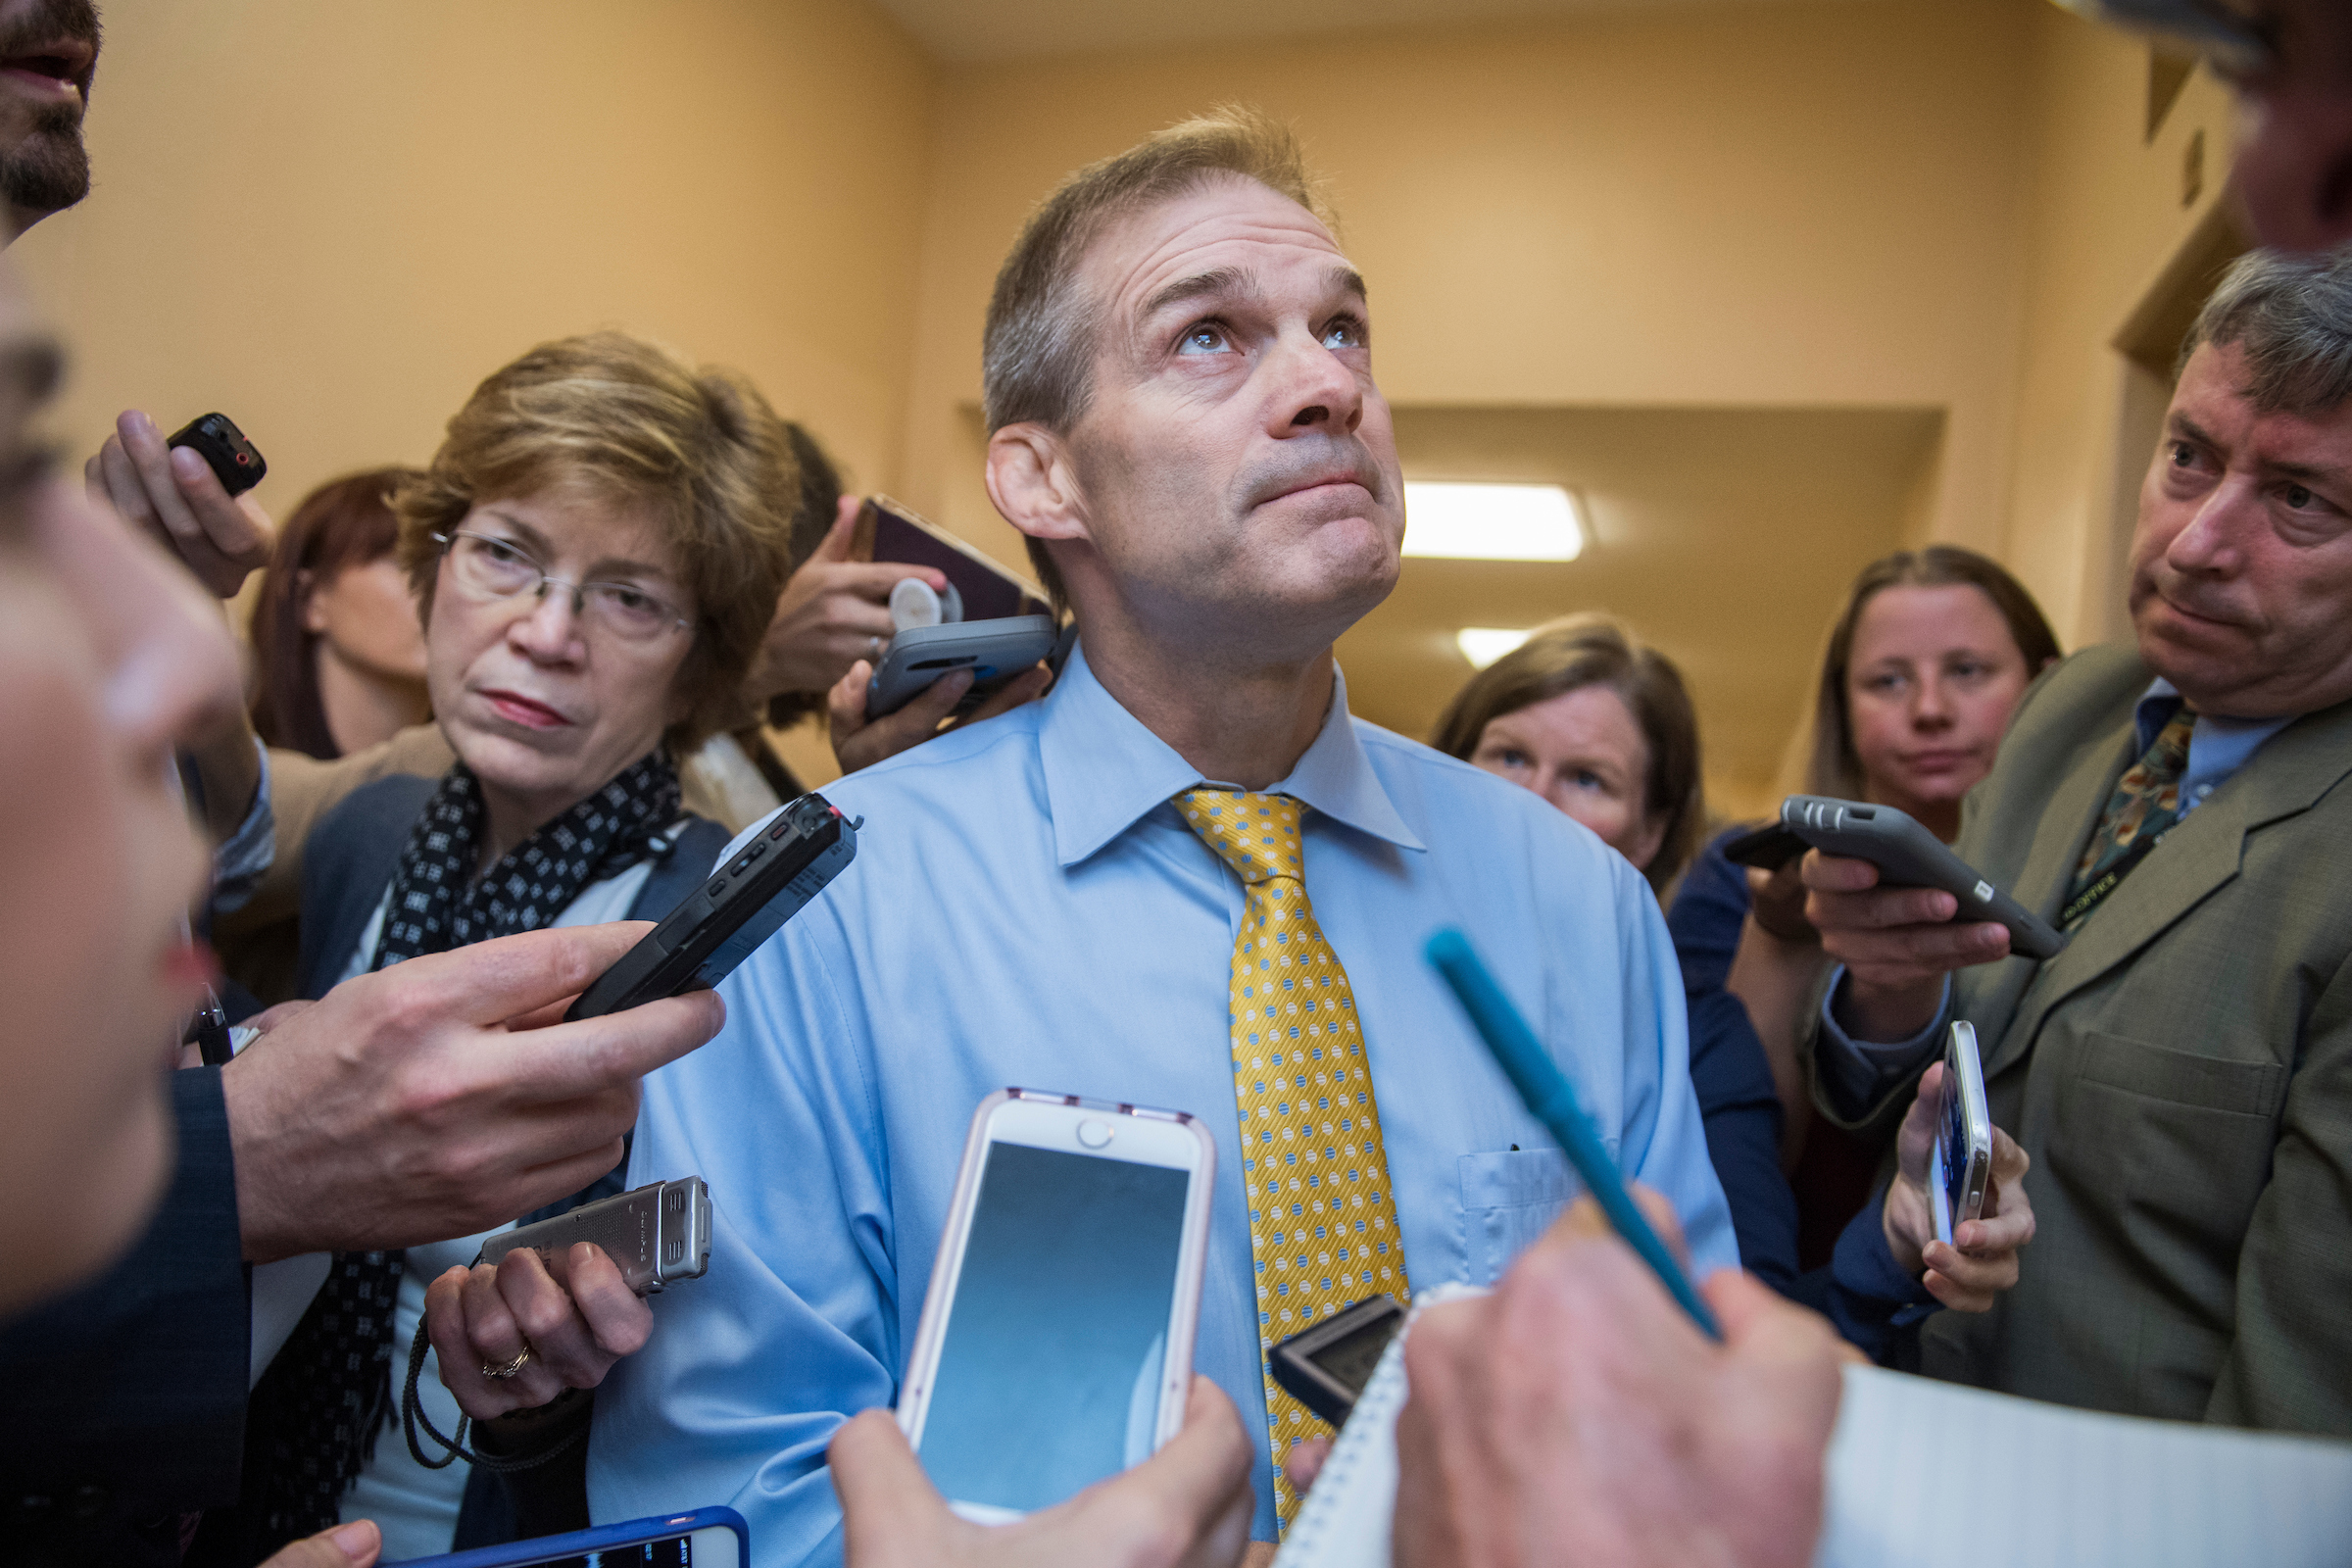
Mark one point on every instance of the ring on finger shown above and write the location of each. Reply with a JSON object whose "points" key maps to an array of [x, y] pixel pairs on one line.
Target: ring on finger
{"points": [[502, 1373], [873, 647]]}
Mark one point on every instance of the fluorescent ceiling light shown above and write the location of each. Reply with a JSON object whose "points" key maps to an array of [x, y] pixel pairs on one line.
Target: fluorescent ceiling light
{"points": [[1491, 521], [1483, 645]]}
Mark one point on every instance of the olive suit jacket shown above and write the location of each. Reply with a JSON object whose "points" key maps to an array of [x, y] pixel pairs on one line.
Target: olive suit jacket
{"points": [[2180, 1074]]}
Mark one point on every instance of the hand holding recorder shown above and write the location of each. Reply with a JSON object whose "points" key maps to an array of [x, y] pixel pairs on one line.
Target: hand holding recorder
{"points": [[967, 642], [188, 492], [554, 1305]]}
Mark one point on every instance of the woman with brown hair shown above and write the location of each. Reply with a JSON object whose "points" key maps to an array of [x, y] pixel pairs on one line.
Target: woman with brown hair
{"points": [[338, 652], [596, 552], [1598, 724], [1922, 667]]}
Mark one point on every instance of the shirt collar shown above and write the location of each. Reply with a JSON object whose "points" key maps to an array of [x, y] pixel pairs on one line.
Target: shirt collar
{"points": [[1103, 770], [2217, 747], [2155, 709]]}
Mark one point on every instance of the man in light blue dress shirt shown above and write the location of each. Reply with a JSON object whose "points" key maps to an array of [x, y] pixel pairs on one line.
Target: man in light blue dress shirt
{"points": [[1185, 420]]}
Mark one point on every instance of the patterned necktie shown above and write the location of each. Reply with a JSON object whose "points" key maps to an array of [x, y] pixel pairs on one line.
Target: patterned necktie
{"points": [[1323, 1232], [2146, 803]]}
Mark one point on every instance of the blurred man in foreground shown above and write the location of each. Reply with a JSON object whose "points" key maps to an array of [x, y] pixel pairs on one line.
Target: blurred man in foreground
{"points": [[2292, 63], [48, 58], [420, 1102], [107, 660]]}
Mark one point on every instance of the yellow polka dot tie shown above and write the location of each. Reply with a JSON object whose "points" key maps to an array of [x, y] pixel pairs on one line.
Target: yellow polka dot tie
{"points": [[1322, 1223]]}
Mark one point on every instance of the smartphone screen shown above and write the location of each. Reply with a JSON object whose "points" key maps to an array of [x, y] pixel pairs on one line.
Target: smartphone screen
{"points": [[1955, 1144], [1049, 1375]]}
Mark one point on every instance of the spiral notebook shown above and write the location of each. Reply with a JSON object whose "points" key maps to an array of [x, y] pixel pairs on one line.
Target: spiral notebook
{"points": [[1929, 1475]]}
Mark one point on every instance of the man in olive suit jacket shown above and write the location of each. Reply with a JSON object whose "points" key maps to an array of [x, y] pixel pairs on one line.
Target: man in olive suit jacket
{"points": [[2182, 1073]]}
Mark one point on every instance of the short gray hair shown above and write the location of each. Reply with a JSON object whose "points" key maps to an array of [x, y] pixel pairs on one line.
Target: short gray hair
{"points": [[2292, 318]]}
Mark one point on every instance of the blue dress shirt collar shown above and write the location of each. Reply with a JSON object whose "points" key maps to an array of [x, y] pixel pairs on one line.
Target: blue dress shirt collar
{"points": [[1103, 770], [2217, 747]]}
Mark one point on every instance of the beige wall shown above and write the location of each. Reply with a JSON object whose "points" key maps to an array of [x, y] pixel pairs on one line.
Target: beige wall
{"points": [[2107, 234], [1787, 206], [331, 220]]}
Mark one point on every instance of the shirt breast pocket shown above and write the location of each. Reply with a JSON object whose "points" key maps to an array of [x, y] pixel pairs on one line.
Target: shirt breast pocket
{"points": [[1508, 1197]]}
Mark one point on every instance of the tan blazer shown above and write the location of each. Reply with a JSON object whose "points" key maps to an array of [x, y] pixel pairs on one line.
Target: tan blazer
{"points": [[2182, 1075]]}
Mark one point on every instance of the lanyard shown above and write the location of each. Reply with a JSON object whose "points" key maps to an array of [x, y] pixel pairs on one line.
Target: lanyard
{"points": [[2092, 897]]}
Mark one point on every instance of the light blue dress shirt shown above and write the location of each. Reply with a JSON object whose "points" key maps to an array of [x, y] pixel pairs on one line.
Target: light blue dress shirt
{"points": [[1027, 909]]}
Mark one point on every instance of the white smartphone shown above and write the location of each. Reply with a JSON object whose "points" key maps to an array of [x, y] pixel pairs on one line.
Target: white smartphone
{"points": [[1056, 1347], [1960, 1163]]}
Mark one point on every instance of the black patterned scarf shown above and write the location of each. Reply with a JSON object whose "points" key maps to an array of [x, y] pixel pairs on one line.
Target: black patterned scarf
{"points": [[316, 1411]]}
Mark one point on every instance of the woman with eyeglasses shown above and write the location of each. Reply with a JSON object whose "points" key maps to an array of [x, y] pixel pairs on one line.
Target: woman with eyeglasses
{"points": [[596, 550]]}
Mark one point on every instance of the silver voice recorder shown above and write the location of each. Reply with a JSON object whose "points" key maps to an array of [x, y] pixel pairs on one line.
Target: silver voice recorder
{"points": [[657, 1234]]}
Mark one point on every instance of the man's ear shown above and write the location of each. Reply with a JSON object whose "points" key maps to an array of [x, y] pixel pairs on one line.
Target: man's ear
{"points": [[1031, 481]]}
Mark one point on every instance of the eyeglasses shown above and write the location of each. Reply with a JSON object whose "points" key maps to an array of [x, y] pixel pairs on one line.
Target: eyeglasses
{"points": [[489, 568]]}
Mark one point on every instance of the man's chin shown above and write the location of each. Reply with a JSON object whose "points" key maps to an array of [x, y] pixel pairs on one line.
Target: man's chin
{"points": [[46, 173]]}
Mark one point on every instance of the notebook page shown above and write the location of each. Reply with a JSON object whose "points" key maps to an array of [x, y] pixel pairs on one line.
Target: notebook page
{"points": [[1344, 1523], [2025, 1484], [1931, 1475]]}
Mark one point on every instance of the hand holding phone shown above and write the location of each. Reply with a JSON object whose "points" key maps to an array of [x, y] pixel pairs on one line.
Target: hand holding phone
{"points": [[787, 859], [1960, 1163], [1192, 1501], [978, 587], [1056, 1344], [996, 653], [1906, 854], [193, 505], [833, 612], [1958, 1176]]}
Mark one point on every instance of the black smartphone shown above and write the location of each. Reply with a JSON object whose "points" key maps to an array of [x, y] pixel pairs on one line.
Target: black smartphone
{"points": [[235, 461], [1767, 848], [1326, 1367], [1908, 855], [792, 854]]}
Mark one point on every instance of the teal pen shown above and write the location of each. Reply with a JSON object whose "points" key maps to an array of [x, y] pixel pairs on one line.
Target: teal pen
{"points": [[1552, 1099]]}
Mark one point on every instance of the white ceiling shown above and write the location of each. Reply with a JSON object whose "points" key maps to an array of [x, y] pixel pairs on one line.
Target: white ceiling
{"points": [[963, 30]]}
